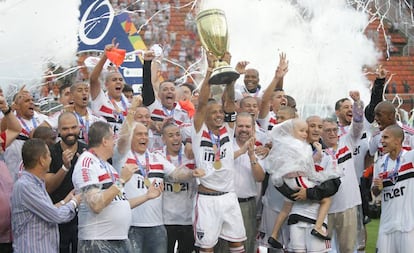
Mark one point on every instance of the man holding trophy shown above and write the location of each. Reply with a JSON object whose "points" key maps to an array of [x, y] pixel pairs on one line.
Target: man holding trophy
{"points": [[217, 211]]}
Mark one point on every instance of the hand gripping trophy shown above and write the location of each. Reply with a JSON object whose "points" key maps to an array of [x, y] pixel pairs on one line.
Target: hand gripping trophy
{"points": [[213, 33]]}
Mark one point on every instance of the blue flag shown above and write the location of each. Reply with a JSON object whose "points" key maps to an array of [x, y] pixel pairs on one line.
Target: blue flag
{"points": [[99, 25]]}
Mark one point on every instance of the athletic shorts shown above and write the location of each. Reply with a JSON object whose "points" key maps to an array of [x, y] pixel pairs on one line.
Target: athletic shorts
{"points": [[397, 242], [217, 216], [301, 239]]}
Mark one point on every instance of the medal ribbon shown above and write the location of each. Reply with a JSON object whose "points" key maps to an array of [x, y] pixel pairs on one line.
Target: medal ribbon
{"points": [[85, 127], [343, 131], [142, 168], [25, 126], [216, 145], [104, 166], [331, 152], [118, 111], [393, 176], [180, 156], [169, 114]]}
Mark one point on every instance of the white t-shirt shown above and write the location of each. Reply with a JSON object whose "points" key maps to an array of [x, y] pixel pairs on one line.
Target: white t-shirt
{"points": [[360, 150], [178, 206], [244, 182], [113, 222], [159, 113], [113, 111], [348, 194], [154, 167], [216, 179], [13, 153], [268, 122], [397, 196], [262, 136], [242, 92]]}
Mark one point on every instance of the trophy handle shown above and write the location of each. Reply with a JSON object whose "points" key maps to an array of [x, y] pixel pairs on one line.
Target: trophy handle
{"points": [[223, 75]]}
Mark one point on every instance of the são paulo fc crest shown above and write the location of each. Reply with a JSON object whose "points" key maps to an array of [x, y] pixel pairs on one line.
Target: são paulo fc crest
{"points": [[200, 235]]}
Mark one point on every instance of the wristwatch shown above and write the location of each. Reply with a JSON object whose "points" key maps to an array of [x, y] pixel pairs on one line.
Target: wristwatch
{"points": [[120, 183]]}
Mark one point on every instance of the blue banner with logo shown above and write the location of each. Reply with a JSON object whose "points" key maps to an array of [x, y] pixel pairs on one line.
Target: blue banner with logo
{"points": [[99, 26]]}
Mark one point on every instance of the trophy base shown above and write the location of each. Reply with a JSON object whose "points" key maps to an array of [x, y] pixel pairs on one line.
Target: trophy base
{"points": [[223, 75]]}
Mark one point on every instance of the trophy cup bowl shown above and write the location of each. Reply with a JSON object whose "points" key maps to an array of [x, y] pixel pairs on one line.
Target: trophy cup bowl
{"points": [[212, 30]]}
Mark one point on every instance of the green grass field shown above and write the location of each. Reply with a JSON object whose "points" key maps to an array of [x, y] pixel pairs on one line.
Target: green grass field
{"points": [[372, 230]]}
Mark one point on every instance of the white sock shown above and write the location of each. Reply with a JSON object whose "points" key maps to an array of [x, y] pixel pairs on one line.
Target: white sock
{"points": [[239, 249]]}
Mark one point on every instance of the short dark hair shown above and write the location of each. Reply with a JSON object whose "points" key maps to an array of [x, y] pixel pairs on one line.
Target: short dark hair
{"points": [[291, 102], [243, 100], [246, 115], [387, 107], [127, 88], [189, 86], [339, 103], [97, 132], [75, 85], [63, 87], [166, 81], [43, 132], [396, 131], [168, 125], [32, 150], [289, 110], [329, 120]]}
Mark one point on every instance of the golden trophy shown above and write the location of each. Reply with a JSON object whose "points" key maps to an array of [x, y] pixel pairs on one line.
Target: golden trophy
{"points": [[212, 30]]}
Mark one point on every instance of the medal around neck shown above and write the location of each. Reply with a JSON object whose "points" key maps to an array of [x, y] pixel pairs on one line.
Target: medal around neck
{"points": [[217, 164], [176, 187], [147, 182]]}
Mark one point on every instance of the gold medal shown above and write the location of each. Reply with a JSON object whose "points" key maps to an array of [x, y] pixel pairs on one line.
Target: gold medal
{"points": [[147, 182], [217, 164], [176, 187]]}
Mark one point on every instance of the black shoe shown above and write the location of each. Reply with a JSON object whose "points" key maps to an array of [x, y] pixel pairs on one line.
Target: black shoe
{"points": [[366, 220], [274, 243], [314, 232]]}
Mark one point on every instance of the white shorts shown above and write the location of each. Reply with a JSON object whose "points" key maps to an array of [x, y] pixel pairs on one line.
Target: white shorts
{"points": [[301, 239], [295, 183], [217, 216], [396, 242], [266, 227]]}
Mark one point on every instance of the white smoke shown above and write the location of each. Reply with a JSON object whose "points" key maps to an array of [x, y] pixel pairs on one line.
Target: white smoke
{"points": [[32, 34], [324, 41]]}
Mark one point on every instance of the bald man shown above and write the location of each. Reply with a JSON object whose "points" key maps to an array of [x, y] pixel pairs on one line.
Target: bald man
{"points": [[384, 115]]}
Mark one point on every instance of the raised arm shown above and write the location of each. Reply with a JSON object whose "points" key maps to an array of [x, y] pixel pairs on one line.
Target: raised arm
{"points": [[95, 84], [357, 125], [204, 95], [155, 76], [376, 93], [124, 140], [13, 124], [148, 94], [277, 83]]}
